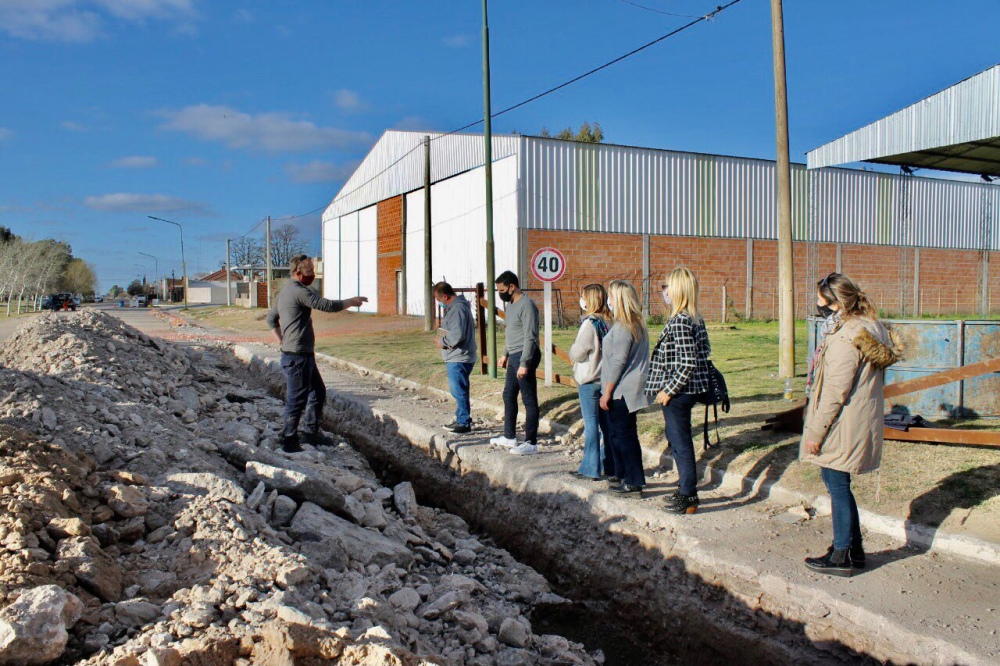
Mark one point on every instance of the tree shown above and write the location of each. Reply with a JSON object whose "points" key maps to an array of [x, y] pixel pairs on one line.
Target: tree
{"points": [[587, 133], [285, 244], [80, 277], [116, 291], [6, 235], [246, 252], [135, 288]]}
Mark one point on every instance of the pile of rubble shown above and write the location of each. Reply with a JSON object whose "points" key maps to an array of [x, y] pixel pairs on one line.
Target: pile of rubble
{"points": [[147, 519]]}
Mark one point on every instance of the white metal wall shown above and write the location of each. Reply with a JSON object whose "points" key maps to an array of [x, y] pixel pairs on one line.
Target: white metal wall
{"points": [[351, 257], [458, 231]]}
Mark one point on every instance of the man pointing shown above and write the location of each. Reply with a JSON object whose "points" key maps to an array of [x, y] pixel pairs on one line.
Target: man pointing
{"points": [[290, 320]]}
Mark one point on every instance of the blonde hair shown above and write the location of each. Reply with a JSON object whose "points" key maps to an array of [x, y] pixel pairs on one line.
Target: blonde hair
{"points": [[624, 302], [683, 287], [840, 289], [596, 299]]}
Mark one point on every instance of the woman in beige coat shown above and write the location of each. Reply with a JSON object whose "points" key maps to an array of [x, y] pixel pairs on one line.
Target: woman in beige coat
{"points": [[844, 416]]}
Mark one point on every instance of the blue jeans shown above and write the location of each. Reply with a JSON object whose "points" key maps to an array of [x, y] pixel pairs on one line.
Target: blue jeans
{"points": [[846, 522], [305, 393], [528, 390], [625, 444], [458, 382], [677, 425], [596, 433]]}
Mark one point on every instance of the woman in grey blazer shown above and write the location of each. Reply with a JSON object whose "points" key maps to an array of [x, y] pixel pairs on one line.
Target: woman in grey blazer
{"points": [[623, 376]]}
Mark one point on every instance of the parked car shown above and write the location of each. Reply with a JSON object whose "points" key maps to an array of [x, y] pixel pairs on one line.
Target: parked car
{"points": [[61, 301], [98, 299]]}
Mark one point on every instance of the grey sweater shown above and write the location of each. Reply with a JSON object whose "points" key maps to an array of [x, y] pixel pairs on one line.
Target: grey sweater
{"points": [[292, 314], [626, 364], [521, 329], [460, 340]]}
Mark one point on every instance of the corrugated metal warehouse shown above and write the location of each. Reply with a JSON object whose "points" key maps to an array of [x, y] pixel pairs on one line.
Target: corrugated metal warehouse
{"points": [[916, 244]]}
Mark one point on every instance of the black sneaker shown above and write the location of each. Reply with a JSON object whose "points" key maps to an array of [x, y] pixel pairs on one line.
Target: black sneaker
{"points": [[625, 490], [291, 445], [682, 504], [834, 563], [458, 428], [315, 439], [857, 554], [613, 481]]}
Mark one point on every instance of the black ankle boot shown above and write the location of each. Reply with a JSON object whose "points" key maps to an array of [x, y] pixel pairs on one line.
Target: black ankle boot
{"points": [[680, 503], [835, 563], [857, 555], [291, 444]]}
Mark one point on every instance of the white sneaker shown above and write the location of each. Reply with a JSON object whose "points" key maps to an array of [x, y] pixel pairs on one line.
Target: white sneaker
{"points": [[526, 449], [509, 442]]}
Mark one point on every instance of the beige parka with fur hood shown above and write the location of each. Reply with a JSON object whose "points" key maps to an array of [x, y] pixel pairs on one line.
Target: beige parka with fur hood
{"points": [[845, 411]]}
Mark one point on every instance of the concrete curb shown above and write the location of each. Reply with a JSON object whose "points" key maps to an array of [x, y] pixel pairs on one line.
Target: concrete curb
{"points": [[921, 536]]}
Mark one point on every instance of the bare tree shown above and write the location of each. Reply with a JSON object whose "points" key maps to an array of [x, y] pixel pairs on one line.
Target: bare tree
{"points": [[285, 244], [246, 251]]}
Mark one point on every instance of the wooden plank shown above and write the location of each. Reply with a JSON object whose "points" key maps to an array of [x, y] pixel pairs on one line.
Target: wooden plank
{"points": [[561, 354], [942, 378], [945, 436]]}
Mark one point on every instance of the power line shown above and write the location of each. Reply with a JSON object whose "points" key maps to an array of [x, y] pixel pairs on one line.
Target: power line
{"points": [[658, 11], [719, 9]]}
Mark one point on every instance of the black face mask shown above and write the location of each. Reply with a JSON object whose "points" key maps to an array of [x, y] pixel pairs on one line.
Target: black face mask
{"points": [[506, 296], [825, 311]]}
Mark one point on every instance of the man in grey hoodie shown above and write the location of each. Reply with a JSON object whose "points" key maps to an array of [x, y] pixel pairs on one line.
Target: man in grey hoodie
{"points": [[458, 349]]}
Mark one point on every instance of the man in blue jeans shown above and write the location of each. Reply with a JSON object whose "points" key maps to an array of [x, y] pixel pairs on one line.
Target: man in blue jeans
{"points": [[290, 321], [457, 342]]}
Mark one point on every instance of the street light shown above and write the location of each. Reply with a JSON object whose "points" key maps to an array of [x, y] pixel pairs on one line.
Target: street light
{"points": [[156, 270], [183, 262], [143, 267]]}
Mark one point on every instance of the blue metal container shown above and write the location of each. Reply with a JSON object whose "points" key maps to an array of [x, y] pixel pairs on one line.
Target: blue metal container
{"points": [[933, 346]]}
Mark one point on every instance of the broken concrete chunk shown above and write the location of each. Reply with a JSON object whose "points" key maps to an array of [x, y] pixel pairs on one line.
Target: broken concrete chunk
{"points": [[202, 484], [93, 568], [362, 545], [405, 499], [284, 509], [33, 629], [127, 501], [298, 484]]}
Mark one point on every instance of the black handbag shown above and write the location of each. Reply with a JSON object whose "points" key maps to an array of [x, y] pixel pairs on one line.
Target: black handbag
{"points": [[716, 396]]}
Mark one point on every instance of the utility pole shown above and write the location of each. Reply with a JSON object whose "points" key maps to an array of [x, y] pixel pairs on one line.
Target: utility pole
{"points": [[183, 260], [156, 271], [786, 279], [491, 317], [229, 290], [268, 260], [428, 272]]}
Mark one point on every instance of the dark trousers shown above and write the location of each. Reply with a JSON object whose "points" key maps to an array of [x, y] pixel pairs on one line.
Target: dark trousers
{"points": [[528, 389], [677, 424], [305, 392], [846, 522], [625, 447]]}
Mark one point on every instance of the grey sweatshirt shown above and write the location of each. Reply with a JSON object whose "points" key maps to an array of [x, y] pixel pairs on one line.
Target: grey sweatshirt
{"points": [[460, 340], [626, 364], [292, 314], [521, 329], [586, 354]]}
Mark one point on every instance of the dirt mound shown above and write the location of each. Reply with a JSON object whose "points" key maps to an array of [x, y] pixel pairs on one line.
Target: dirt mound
{"points": [[140, 478]]}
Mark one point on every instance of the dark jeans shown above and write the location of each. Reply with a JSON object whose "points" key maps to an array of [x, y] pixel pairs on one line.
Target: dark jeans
{"points": [[528, 388], [305, 392], [458, 382], [596, 433], [677, 424], [625, 447], [846, 522]]}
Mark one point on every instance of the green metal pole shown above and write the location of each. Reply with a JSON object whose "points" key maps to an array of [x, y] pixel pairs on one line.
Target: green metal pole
{"points": [[491, 317]]}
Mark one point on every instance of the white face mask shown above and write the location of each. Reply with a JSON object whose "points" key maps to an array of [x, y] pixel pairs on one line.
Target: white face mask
{"points": [[583, 305], [667, 300]]}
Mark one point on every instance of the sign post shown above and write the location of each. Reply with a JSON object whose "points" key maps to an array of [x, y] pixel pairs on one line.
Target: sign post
{"points": [[548, 265]]}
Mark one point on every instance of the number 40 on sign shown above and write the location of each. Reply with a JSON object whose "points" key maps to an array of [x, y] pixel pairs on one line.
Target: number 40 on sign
{"points": [[548, 265]]}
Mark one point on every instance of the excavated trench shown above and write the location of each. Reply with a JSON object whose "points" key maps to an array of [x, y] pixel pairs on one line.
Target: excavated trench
{"points": [[636, 604]]}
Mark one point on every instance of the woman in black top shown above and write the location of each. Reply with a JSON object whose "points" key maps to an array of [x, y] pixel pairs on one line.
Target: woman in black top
{"points": [[679, 377]]}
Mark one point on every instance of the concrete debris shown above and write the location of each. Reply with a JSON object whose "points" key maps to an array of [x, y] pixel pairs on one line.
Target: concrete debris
{"points": [[147, 521]]}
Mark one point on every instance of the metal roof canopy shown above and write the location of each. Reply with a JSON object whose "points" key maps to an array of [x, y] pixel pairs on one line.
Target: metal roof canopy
{"points": [[957, 129]]}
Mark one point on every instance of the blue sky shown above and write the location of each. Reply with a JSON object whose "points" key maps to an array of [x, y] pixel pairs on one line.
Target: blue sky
{"points": [[215, 114]]}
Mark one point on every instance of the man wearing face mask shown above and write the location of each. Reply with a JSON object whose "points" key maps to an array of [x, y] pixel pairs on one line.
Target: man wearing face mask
{"points": [[290, 321], [458, 349], [521, 357]]}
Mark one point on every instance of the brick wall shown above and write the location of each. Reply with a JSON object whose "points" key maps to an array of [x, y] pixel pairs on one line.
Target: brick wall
{"points": [[948, 279], [390, 254]]}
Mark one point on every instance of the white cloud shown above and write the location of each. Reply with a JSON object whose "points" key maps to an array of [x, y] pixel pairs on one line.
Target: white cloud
{"points": [[83, 20], [122, 202], [71, 126], [349, 101], [457, 41], [6, 134], [244, 16], [136, 162], [196, 161], [414, 123], [318, 171], [273, 132]]}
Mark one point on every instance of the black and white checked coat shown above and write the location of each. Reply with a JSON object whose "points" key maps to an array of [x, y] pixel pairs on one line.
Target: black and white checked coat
{"points": [[679, 363]]}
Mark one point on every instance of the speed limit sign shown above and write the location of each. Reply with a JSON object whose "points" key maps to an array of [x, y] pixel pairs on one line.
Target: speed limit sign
{"points": [[548, 264]]}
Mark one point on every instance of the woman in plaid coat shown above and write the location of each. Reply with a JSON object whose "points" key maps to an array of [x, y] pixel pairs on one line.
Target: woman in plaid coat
{"points": [[679, 378]]}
